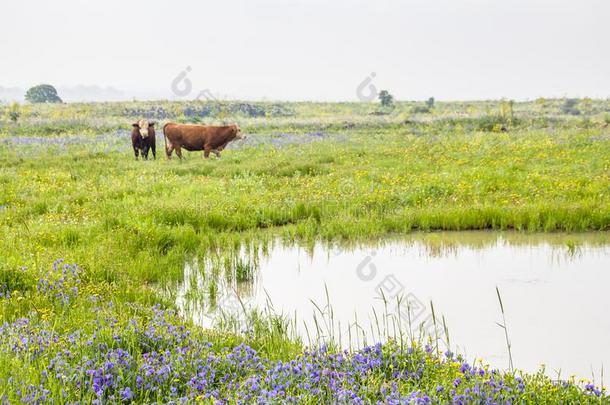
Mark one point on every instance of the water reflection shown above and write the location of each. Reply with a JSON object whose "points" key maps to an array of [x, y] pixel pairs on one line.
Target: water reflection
{"points": [[554, 288]]}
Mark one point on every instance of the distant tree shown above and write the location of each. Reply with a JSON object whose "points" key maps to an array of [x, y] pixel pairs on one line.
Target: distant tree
{"points": [[43, 93], [386, 98], [430, 103]]}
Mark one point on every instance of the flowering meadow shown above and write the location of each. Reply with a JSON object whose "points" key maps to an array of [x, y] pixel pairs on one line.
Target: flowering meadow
{"points": [[101, 331], [95, 351]]}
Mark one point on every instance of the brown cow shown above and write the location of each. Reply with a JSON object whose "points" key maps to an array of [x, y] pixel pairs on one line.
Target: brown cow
{"points": [[199, 137], [143, 138]]}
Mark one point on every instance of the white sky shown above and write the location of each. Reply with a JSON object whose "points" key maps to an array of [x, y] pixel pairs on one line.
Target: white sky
{"points": [[314, 49]]}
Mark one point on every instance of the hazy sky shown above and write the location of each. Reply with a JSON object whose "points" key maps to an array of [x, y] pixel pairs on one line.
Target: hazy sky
{"points": [[312, 49]]}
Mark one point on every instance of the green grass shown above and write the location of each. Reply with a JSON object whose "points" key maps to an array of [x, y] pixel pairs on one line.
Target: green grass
{"points": [[133, 223], [110, 213], [75, 194]]}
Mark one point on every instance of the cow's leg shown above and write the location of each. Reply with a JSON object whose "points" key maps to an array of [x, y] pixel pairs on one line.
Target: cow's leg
{"points": [[206, 152], [216, 152], [145, 152], [135, 152], [178, 152], [153, 147], [220, 149], [168, 150]]}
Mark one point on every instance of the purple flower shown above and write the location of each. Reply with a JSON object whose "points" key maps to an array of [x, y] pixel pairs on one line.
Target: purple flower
{"points": [[591, 388], [126, 394]]}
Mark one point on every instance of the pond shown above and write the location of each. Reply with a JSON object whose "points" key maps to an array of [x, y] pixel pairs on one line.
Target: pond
{"points": [[554, 289]]}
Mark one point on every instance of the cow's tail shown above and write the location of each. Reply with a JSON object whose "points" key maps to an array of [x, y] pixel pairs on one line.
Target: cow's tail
{"points": [[165, 139]]}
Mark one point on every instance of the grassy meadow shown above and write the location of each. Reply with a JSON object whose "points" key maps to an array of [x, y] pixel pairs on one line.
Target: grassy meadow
{"points": [[90, 236]]}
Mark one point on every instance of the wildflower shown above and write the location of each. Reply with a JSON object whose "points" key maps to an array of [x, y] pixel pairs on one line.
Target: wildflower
{"points": [[126, 394], [591, 388]]}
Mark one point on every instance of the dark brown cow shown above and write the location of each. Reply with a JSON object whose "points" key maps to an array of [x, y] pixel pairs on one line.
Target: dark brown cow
{"points": [[199, 137], [143, 138]]}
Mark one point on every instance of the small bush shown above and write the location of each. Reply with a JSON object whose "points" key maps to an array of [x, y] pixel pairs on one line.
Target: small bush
{"points": [[420, 109], [569, 107], [13, 112], [490, 123]]}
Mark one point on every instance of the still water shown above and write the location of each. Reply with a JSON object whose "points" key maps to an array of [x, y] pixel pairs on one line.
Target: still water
{"points": [[555, 289]]}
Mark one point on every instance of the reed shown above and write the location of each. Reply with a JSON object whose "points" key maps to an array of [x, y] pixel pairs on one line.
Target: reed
{"points": [[505, 328]]}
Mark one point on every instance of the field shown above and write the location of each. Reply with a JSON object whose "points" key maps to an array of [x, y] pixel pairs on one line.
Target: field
{"points": [[90, 237]]}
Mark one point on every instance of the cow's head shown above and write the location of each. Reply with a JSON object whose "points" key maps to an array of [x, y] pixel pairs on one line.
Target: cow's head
{"points": [[238, 133], [143, 127]]}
